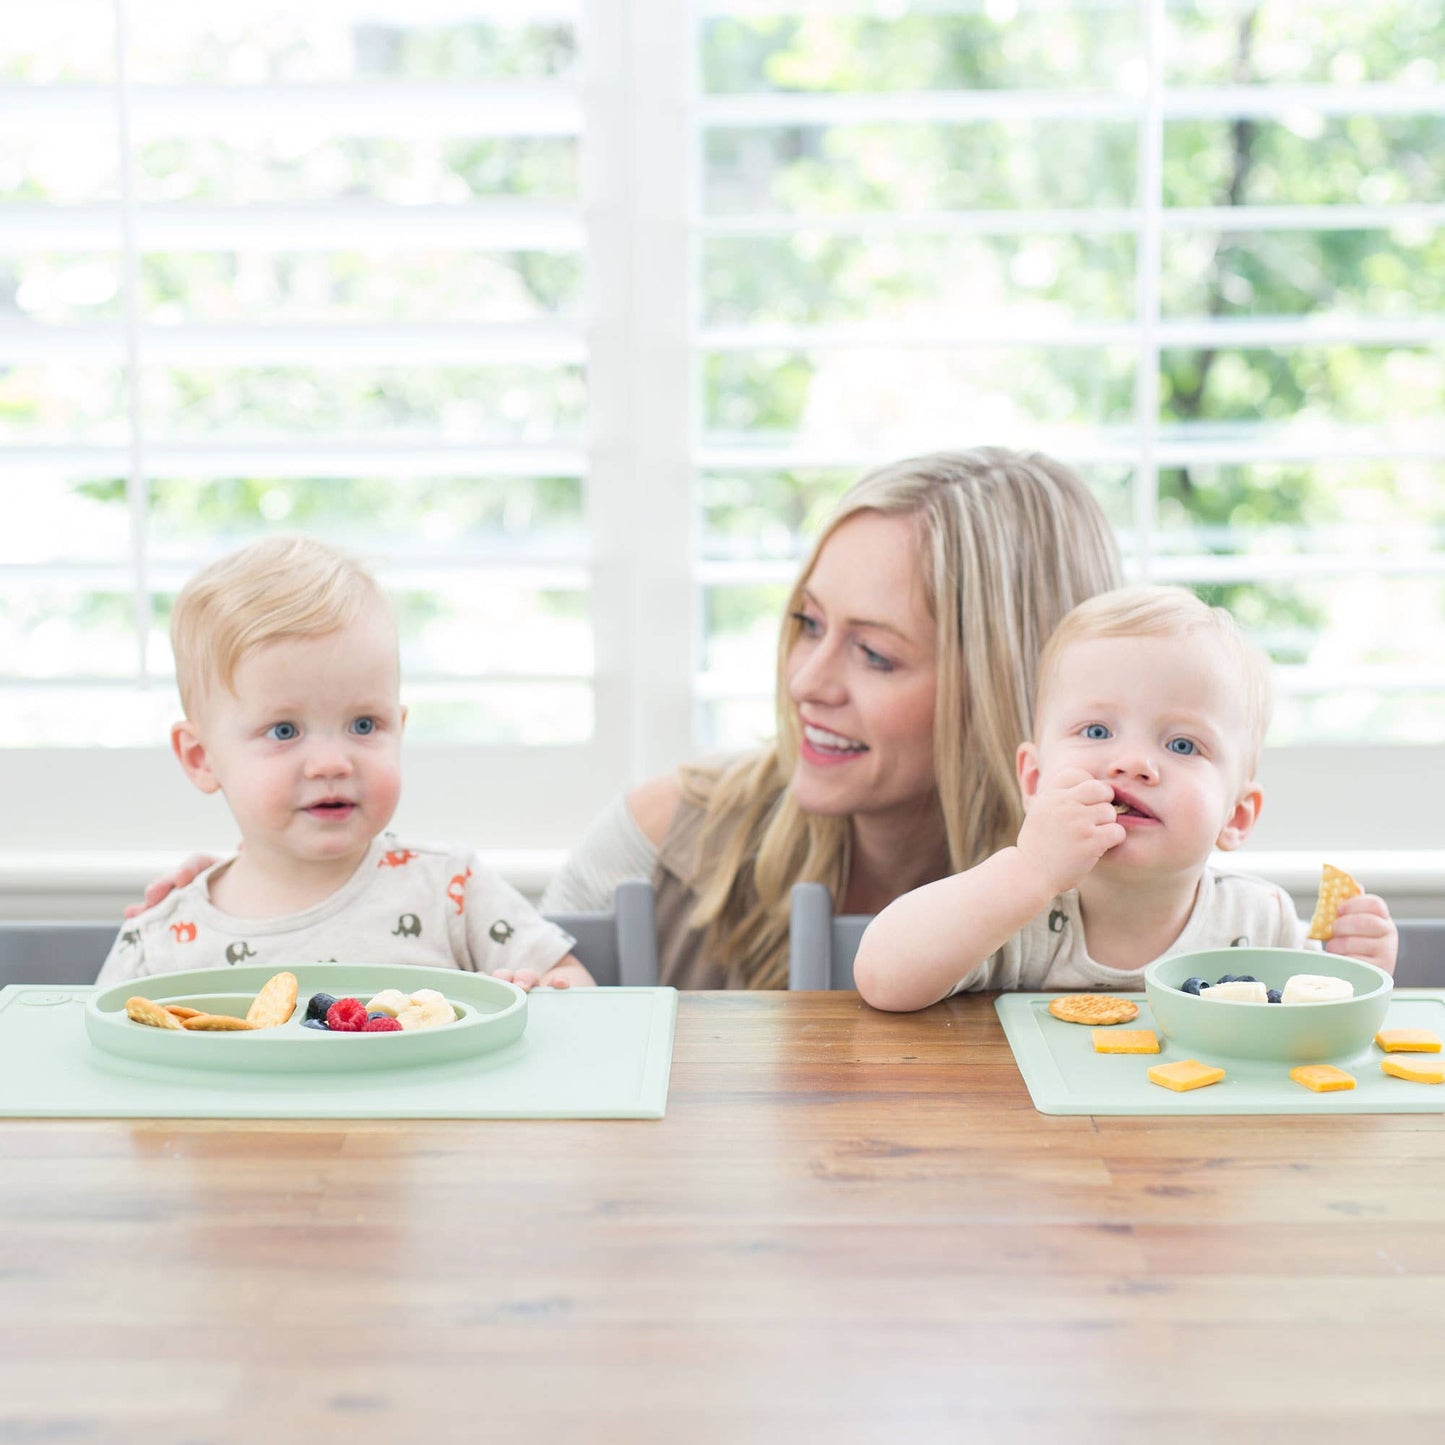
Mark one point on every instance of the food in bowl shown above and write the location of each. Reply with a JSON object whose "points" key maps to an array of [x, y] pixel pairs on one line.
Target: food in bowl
{"points": [[1332, 1029]]}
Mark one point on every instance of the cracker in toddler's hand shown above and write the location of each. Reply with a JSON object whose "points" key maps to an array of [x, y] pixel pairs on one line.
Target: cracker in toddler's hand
{"points": [[1093, 1008], [1335, 886]]}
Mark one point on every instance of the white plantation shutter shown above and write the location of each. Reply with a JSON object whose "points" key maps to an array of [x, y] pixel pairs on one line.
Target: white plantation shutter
{"points": [[575, 317]]}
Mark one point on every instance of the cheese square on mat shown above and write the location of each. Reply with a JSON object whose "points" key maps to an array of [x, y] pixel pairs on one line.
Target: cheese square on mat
{"points": [[1418, 1071], [1322, 1078], [1125, 1041], [1186, 1074], [1408, 1041]]}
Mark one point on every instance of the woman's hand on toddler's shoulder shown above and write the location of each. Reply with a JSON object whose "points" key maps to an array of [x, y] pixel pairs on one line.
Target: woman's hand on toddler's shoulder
{"points": [[159, 888]]}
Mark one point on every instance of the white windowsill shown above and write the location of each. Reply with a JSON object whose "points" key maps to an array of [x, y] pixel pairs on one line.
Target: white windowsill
{"points": [[46, 884]]}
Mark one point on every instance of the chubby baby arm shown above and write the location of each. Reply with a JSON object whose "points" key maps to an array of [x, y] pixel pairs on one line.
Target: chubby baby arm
{"points": [[1364, 929], [918, 948]]}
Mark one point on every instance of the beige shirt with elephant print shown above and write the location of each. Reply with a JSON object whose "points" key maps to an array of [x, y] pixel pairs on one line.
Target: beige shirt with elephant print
{"points": [[406, 903]]}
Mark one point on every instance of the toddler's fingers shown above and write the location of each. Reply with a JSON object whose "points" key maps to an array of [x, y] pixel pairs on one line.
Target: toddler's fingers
{"points": [[559, 983], [1363, 903]]}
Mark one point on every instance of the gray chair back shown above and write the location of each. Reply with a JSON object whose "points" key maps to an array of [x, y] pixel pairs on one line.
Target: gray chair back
{"points": [[821, 946], [1422, 952], [53, 952], [619, 946]]}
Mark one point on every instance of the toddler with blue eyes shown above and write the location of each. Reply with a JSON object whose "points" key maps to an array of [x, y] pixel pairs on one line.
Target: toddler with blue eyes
{"points": [[286, 660], [1149, 721]]}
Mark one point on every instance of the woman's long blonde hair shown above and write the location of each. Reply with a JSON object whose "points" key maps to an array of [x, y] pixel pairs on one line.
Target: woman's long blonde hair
{"points": [[1009, 543]]}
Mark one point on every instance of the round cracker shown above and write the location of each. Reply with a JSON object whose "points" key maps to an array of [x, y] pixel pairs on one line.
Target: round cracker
{"points": [[275, 1003], [216, 1023], [1093, 1008]]}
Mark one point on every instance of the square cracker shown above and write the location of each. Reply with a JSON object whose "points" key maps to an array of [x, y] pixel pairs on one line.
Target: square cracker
{"points": [[1417, 1071], [1125, 1041], [1186, 1074], [275, 1003], [1322, 1078], [1408, 1041], [1335, 886]]}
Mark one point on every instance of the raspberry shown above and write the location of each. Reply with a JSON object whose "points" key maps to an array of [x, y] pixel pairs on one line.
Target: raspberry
{"points": [[347, 1016], [381, 1024]]}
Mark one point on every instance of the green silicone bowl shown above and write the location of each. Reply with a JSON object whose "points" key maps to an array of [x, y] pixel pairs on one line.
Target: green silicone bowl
{"points": [[1300, 1033], [491, 1013]]}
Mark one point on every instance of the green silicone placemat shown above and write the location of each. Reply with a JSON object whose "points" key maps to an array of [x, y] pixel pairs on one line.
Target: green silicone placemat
{"points": [[1065, 1076], [602, 1053]]}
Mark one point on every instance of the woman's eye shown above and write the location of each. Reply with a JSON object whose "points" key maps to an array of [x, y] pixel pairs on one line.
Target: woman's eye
{"points": [[875, 659], [364, 726], [808, 626], [283, 732], [1096, 732], [1183, 746]]}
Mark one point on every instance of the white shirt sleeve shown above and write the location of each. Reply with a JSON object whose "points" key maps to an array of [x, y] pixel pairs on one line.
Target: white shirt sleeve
{"points": [[611, 851]]}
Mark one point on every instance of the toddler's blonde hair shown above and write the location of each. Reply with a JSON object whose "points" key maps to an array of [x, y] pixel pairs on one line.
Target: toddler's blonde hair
{"points": [[282, 587], [1151, 611]]}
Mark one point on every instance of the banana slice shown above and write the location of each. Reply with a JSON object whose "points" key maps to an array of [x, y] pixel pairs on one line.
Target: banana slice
{"points": [[389, 1001], [1238, 992], [1315, 988], [429, 1015]]}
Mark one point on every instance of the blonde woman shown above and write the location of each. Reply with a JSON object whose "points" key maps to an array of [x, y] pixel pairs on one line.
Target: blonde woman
{"points": [[905, 678]]}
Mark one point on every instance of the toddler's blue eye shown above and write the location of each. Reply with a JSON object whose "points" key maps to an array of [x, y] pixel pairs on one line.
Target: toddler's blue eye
{"points": [[283, 732], [364, 726], [1183, 746], [1097, 732], [808, 626]]}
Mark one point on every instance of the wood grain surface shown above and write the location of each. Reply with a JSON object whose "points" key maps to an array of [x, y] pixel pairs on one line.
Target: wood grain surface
{"points": [[850, 1226]]}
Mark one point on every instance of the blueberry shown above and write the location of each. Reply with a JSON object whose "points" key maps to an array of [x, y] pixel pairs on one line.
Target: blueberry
{"points": [[378, 1015], [320, 1002], [1273, 995], [1226, 978], [315, 1024], [1246, 978], [1193, 985]]}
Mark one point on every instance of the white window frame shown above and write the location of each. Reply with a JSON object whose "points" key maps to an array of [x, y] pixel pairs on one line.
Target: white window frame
{"points": [[642, 219]]}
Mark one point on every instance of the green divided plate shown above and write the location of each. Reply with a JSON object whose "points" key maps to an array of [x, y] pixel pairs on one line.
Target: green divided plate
{"points": [[1065, 1076], [490, 1015], [587, 1053]]}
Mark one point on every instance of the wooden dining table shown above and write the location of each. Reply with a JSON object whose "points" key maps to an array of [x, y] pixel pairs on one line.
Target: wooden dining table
{"points": [[850, 1226]]}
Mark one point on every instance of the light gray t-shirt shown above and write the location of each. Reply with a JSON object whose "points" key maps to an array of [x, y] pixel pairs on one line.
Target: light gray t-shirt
{"points": [[1050, 951], [612, 850], [414, 903]]}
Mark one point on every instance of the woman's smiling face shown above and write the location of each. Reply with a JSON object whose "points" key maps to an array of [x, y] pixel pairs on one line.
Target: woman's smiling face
{"points": [[861, 673]]}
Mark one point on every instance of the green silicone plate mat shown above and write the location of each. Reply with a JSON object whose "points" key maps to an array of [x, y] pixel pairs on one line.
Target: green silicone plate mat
{"points": [[1065, 1076], [602, 1053]]}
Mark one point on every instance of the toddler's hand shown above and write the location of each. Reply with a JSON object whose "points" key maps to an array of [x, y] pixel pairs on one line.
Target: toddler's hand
{"points": [[1069, 826], [1364, 929], [526, 979]]}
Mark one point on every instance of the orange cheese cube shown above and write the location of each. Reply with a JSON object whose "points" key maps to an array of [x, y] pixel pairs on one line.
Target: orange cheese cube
{"points": [[1125, 1041], [1418, 1071], [1408, 1041], [1186, 1074], [1322, 1078]]}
